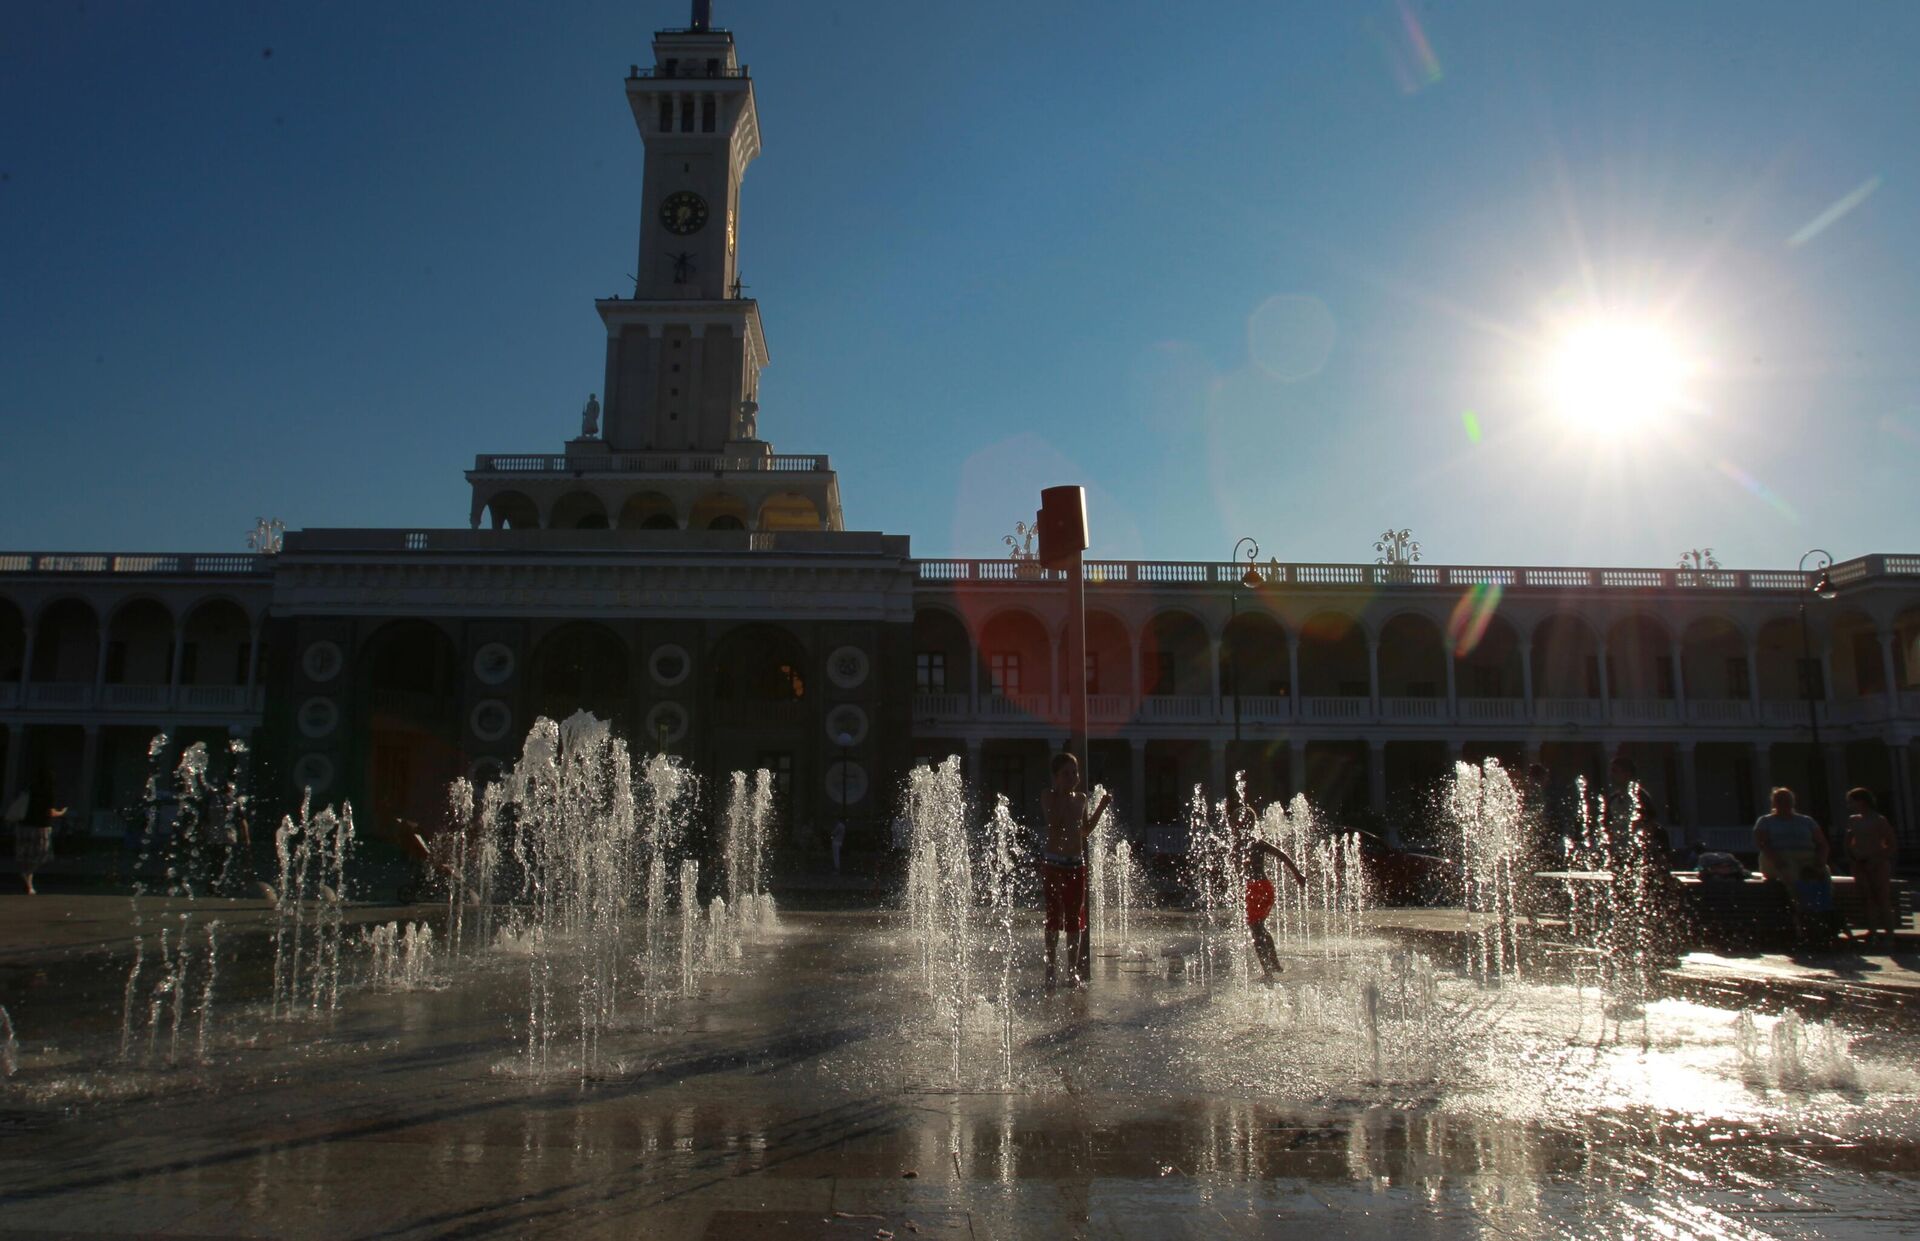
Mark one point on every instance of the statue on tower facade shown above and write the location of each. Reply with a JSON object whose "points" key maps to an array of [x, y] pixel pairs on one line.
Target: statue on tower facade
{"points": [[746, 421], [590, 418]]}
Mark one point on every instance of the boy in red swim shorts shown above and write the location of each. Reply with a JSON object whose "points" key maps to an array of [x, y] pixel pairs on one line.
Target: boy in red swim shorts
{"points": [[1252, 854], [1063, 864]]}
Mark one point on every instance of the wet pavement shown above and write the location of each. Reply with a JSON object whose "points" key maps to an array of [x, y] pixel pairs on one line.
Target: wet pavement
{"points": [[810, 1090]]}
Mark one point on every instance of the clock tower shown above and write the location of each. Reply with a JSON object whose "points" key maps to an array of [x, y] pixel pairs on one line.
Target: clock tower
{"points": [[684, 352], [676, 445]]}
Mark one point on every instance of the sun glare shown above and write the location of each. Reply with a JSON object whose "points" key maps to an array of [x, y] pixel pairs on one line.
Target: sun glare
{"points": [[1610, 375]]}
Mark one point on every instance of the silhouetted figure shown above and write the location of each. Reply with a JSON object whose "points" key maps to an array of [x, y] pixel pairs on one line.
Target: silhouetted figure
{"points": [[1250, 855], [1873, 848], [1063, 863]]}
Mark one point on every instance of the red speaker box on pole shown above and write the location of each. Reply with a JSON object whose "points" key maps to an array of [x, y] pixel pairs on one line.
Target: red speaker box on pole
{"points": [[1062, 521]]}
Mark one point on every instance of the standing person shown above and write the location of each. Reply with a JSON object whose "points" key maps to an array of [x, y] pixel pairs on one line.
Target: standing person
{"points": [[1063, 863], [1792, 849], [1872, 847], [33, 837], [1250, 854]]}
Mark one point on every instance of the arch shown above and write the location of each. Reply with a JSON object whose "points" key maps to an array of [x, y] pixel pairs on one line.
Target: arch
{"points": [[1858, 669], [1253, 656], [216, 643], [581, 666], [1780, 654], [1333, 657], [1490, 664], [66, 642], [1016, 655], [13, 641], [1175, 654], [139, 643], [578, 510], [649, 510], [1110, 660], [1413, 657], [718, 511], [790, 511], [1713, 660], [941, 652], [1566, 658], [410, 675], [1640, 659], [1906, 648], [513, 510], [759, 662]]}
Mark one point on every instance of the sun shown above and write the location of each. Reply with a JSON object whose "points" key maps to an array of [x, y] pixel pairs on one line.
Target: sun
{"points": [[1610, 375]]}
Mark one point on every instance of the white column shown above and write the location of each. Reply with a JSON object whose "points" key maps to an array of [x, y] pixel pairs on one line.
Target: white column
{"points": [[101, 632], [253, 659], [1888, 671], [1679, 678], [1606, 689], [973, 680], [1526, 675], [1373, 672], [1753, 678], [173, 673], [1453, 692]]}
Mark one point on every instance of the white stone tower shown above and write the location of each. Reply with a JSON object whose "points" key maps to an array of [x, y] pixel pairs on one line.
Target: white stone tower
{"points": [[685, 351]]}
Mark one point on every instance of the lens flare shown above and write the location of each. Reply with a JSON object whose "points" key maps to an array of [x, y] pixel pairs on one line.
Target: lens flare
{"points": [[1471, 616]]}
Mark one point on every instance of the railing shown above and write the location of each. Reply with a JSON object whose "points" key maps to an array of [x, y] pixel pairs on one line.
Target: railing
{"points": [[1720, 711], [1264, 708], [1645, 711], [649, 463], [1568, 710], [172, 564], [1548, 578], [1424, 710], [219, 698], [1110, 708], [139, 696], [939, 706], [1345, 708], [1014, 705], [1493, 710], [60, 694], [1186, 707], [1790, 712], [686, 72]]}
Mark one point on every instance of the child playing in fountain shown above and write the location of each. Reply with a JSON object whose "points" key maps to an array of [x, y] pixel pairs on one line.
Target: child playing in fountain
{"points": [[1252, 853], [1063, 864]]}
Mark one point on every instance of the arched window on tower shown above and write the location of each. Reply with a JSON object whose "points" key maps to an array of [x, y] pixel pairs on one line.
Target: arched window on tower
{"points": [[666, 114], [686, 114], [706, 115]]}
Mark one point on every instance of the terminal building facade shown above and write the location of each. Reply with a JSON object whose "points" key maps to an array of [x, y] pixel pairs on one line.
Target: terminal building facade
{"points": [[669, 570]]}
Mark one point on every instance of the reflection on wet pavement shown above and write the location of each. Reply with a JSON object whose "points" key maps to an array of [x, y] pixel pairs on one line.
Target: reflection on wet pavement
{"points": [[807, 1092]]}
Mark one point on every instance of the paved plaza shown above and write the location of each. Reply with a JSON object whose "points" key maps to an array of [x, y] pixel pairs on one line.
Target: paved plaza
{"points": [[810, 1089]]}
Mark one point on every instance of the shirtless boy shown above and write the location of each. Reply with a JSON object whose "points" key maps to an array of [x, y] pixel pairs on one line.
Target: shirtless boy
{"points": [[1252, 853], [1063, 865]]}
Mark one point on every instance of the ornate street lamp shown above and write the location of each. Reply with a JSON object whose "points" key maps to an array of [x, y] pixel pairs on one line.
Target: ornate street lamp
{"points": [[1822, 589], [1249, 579]]}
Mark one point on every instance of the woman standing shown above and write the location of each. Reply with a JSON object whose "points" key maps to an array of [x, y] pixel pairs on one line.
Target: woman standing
{"points": [[1872, 846], [33, 835]]}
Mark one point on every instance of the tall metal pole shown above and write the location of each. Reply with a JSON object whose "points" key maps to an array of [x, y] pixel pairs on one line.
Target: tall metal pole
{"points": [[1076, 678], [1817, 762]]}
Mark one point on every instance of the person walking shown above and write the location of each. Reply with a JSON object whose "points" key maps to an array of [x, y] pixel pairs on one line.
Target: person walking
{"points": [[1793, 850], [33, 834], [1063, 863], [1873, 848]]}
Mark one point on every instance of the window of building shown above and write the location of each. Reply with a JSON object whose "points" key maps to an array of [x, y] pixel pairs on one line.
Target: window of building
{"points": [[713, 67], [1004, 669], [1093, 672], [1739, 681], [930, 672], [1664, 684], [706, 115], [666, 114], [686, 114]]}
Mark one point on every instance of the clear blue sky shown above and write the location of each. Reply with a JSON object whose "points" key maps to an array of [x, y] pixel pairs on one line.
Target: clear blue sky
{"points": [[997, 246]]}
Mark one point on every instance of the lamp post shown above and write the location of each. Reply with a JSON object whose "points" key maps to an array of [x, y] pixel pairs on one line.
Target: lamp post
{"points": [[1248, 579], [1822, 589]]}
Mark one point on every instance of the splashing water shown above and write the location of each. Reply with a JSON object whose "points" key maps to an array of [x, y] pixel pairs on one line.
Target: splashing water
{"points": [[1485, 810], [940, 892], [313, 853]]}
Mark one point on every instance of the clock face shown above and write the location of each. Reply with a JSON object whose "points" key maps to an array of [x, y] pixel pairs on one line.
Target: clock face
{"points": [[683, 212]]}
